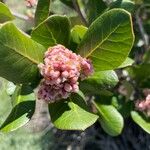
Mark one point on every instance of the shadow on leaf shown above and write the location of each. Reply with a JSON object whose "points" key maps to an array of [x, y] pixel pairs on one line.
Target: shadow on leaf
{"points": [[19, 116]]}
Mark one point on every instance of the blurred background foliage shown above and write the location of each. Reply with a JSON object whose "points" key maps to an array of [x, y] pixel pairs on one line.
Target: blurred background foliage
{"points": [[133, 82]]}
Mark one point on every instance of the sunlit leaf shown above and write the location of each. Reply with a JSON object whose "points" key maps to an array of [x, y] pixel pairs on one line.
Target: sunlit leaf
{"points": [[141, 120], [99, 80], [23, 109], [110, 119], [108, 40], [19, 55], [5, 14], [54, 30], [71, 114], [126, 63]]}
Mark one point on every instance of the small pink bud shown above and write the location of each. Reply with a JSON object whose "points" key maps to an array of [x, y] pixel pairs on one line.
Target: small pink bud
{"points": [[74, 79], [143, 105], [67, 87], [65, 74], [55, 74], [75, 88], [58, 81]]}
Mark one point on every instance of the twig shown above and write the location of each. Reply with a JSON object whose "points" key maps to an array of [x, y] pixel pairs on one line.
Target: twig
{"points": [[20, 16], [77, 8]]}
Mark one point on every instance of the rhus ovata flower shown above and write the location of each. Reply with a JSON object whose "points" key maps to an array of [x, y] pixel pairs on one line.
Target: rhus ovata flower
{"points": [[144, 105], [61, 71]]}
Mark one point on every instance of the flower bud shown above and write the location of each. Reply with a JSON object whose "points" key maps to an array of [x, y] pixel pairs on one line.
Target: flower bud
{"points": [[61, 71]]}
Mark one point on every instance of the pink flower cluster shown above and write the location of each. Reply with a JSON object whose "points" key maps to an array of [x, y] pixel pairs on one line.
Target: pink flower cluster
{"points": [[144, 105], [61, 71]]}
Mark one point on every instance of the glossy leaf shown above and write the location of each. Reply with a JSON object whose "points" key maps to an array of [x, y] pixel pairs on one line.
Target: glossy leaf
{"points": [[99, 80], [19, 55], [5, 14], [108, 40], [141, 120], [110, 119], [71, 114], [42, 11], [126, 63], [54, 30], [23, 109]]}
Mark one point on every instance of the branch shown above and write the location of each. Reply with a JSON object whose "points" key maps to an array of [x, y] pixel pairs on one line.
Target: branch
{"points": [[77, 8], [141, 28], [20, 16]]}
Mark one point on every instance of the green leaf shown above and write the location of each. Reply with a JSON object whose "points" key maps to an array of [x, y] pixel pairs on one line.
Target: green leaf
{"points": [[122, 105], [141, 74], [77, 34], [71, 114], [126, 63], [5, 14], [94, 8], [99, 80], [54, 30], [110, 119], [42, 11], [21, 94], [124, 4], [141, 120], [23, 109], [19, 55], [5, 104], [108, 40]]}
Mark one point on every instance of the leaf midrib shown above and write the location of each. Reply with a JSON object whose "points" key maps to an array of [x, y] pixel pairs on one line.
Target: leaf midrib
{"points": [[101, 112], [21, 54], [103, 40]]}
